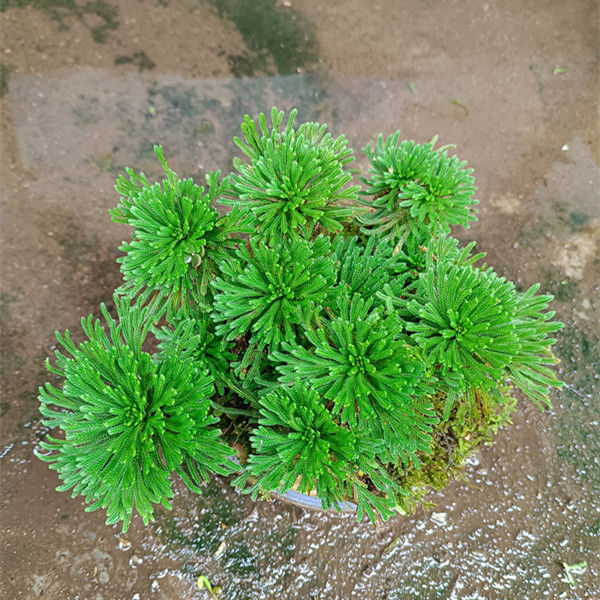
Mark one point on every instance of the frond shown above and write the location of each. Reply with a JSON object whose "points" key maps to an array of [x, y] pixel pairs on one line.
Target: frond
{"points": [[414, 188], [295, 180], [267, 292], [128, 421], [360, 361], [178, 237]]}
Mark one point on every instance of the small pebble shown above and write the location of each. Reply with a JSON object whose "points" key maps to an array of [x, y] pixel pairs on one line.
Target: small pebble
{"points": [[124, 544], [134, 561], [440, 518]]}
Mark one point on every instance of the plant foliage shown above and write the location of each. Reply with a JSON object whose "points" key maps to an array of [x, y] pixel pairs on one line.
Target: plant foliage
{"points": [[359, 360], [414, 188], [178, 236], [295, 178], [129, 421], [266, 292]]}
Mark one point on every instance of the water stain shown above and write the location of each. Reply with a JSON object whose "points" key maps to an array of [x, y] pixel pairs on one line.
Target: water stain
{"points": [[3, 80]]}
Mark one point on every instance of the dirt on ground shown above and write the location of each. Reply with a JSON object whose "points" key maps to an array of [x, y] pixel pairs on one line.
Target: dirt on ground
{"points": [[87, 88]]}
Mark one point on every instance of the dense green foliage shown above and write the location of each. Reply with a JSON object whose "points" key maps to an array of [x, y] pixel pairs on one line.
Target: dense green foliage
{"points": [[295, 179], [413, 188], [178, 237], [350, 365], [130, 421]]}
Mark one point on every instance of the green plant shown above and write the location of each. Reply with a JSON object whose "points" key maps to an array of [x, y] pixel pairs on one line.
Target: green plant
{"points": [[359, 354], [130, 421], [414, 188]]}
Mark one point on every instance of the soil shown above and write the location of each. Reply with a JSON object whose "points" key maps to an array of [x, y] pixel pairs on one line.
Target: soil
{"points": [[87, 88]]}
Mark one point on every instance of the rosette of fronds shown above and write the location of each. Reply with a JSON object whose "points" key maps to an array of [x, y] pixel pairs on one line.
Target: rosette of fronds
{"points": [[198, 333], [299, 445], [360, 361], [478, 329], [129, 421], [178, 236], [413, 187], [295, 180], [463, 321], [265, 293], [530, 369], [367, 268]]}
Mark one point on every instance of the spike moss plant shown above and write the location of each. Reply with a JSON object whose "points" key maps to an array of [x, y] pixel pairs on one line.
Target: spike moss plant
{"points": [[289, 352]]}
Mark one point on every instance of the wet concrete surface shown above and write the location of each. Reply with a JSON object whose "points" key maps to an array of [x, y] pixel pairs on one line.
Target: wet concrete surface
{"points": [[87, 89]]}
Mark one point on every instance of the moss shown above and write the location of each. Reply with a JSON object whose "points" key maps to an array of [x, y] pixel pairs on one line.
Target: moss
{"points": [[280, 34], [3, 80], [454, 442], [139, 59], [578, 220], [239, 560], [62, 10]]}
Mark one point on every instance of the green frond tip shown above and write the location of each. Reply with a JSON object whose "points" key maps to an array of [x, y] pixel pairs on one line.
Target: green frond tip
{"points": [[296, 178], [178, 236], [128, 422], [413, 188]]}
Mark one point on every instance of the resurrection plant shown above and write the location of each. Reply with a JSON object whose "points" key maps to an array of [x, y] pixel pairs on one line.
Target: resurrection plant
{"points": [[319, 337]]}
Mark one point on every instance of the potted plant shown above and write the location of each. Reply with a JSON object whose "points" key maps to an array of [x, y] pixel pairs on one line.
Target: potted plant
{"points": [[317, 337]]}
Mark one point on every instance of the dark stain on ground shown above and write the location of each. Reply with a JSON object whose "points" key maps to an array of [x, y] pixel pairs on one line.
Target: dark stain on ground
{"points": [[86, 110], [217, 515], [274, 33], [578, 220], [11, 357], [564, 289], [139, 59], [578, 425]]}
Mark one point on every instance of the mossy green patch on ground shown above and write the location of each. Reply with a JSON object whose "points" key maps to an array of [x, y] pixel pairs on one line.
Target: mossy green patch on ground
{"points": [[274, 33], [595, 527], [578, 220], [239, 560], [140, 59], [62, 10], [3, 80], [577, 424]]}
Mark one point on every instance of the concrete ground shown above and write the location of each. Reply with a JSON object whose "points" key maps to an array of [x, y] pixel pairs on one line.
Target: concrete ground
{"points": [[88, 88]]}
